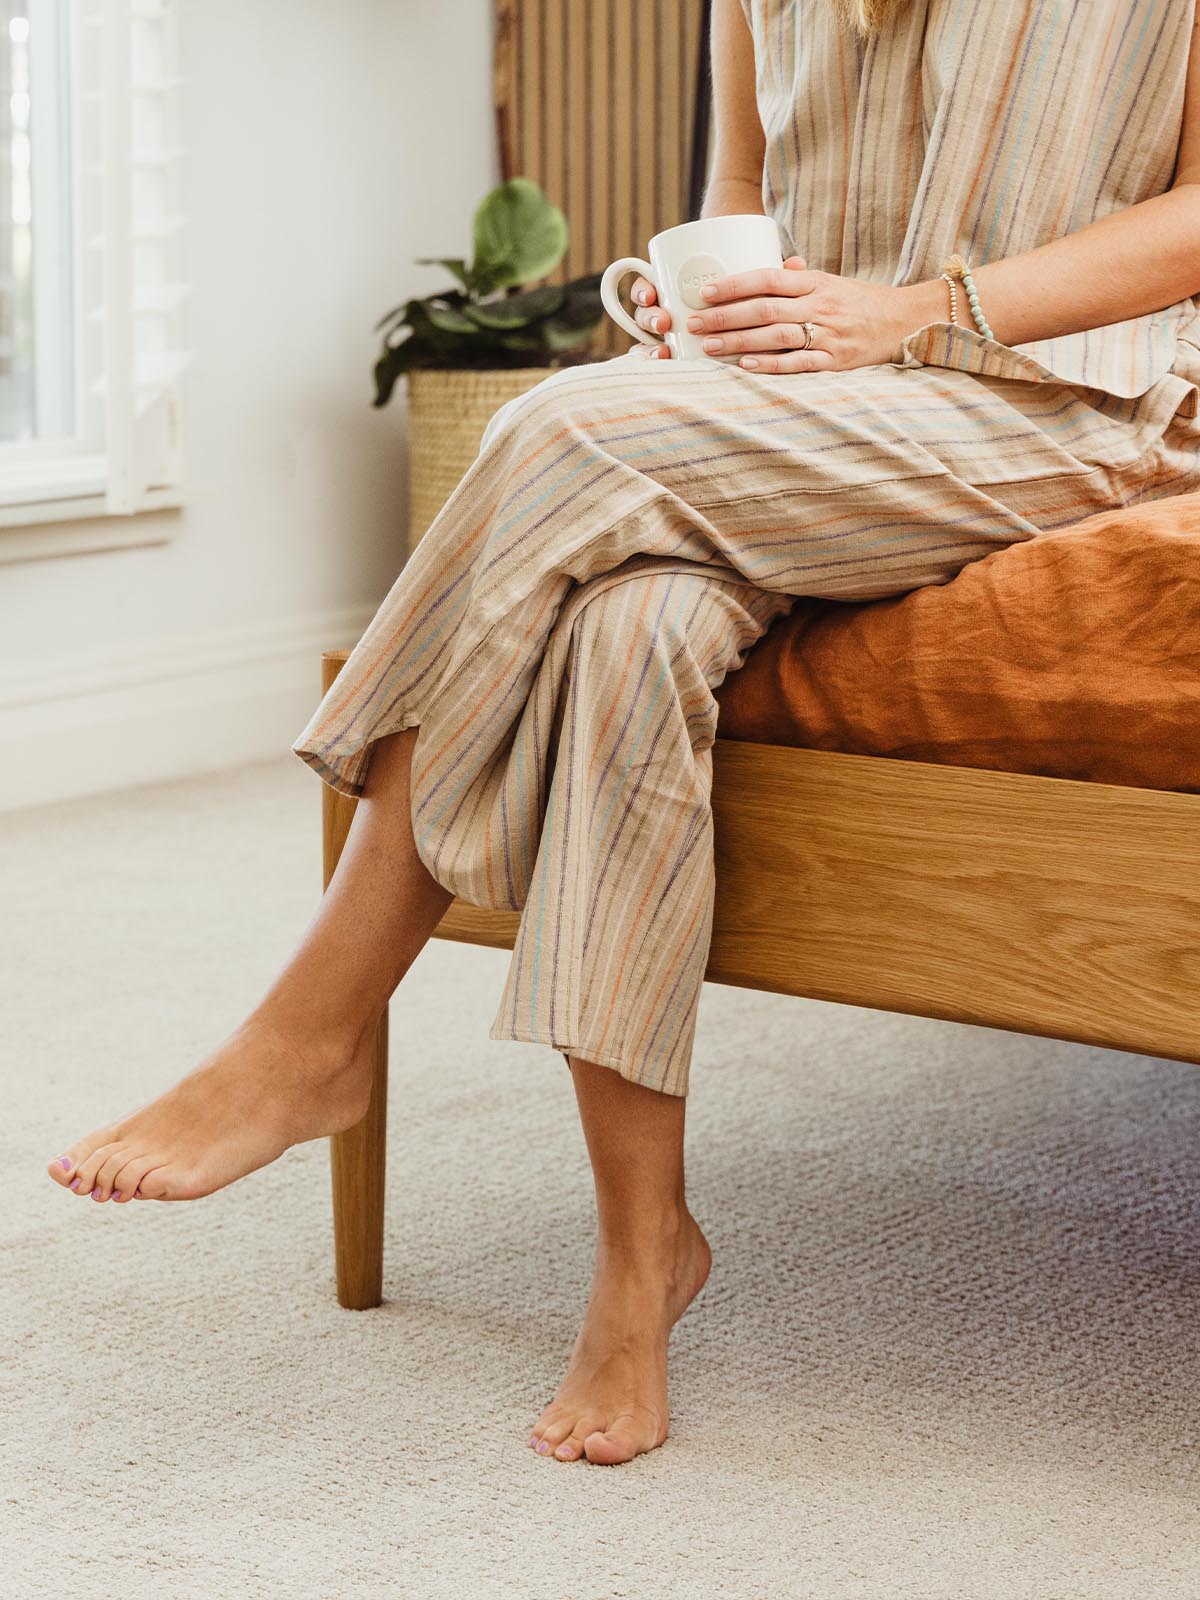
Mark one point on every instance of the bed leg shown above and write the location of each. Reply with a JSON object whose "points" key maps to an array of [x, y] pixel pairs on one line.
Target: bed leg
{"points": [[357, 1165], [358, 1156]]}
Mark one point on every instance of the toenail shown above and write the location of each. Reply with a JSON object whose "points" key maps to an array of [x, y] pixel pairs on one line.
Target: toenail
{"points": [[96, 1193], [542, 1448], [74, 1185], [116, 1194], [66, 1163], [564, 1452]]}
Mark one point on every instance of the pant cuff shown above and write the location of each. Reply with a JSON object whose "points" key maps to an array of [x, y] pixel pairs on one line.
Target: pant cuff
{"points": [[673, 1083]]}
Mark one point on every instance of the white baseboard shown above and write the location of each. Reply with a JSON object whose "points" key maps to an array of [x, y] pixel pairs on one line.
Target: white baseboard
{"points": [[200, 703]]}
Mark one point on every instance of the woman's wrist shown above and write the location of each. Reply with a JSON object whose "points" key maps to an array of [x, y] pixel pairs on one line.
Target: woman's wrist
{"points": [[922, 303], [732, 197]]}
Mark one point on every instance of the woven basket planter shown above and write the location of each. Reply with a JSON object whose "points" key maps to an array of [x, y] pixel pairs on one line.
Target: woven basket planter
{"points": [[448, 409]]}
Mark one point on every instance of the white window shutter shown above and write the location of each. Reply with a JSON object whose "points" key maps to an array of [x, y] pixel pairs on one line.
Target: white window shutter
{"points": [[141, 222]]}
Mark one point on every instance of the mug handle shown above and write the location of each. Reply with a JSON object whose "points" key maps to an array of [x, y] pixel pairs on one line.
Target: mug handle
{"points": [[608, 295]]}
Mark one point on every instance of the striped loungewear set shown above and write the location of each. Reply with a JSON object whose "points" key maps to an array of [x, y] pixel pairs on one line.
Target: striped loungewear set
{"points": [[631, 527]]}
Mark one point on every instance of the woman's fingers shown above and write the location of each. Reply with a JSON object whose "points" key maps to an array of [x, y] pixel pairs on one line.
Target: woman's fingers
{"points": [[786, 336], [647, 312], [753, 313], [794, 361], [785, 280], [652, 318]]}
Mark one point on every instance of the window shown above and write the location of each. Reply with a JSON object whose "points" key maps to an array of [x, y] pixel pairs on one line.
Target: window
{"points": [[91, 282], [37, 383]]}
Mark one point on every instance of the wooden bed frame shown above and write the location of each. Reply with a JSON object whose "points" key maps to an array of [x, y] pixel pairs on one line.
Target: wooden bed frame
{"points": [[1039, 905]]}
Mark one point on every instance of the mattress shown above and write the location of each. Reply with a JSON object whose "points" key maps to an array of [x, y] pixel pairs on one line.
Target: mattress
{"points": [[1073, 654]]}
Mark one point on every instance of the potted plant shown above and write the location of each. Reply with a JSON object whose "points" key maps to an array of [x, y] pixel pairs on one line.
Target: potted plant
{"points": [[466, 350]]}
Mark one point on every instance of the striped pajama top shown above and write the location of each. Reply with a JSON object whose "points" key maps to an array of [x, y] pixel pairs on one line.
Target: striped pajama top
{"points": [[1020, 121]]}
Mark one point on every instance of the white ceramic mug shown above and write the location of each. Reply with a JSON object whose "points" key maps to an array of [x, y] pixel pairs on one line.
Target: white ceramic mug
{"points": [[682, 260]]}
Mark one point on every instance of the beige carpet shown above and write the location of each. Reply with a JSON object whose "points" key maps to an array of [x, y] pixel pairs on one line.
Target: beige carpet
{"points": [[948, 1348]]}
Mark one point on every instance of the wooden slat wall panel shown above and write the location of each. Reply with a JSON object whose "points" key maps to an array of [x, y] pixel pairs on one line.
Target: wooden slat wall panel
{"points": [[600, 120], [596, 100]]}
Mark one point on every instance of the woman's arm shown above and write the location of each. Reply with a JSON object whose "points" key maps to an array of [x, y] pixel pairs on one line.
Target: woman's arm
{"points": [[1136, 260], [739, 147], [1133, 261]]}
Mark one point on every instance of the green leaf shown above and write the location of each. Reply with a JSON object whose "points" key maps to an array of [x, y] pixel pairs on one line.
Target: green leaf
{"points": [[446, 317], [410, 314], [582, 305], [459, 268], [396, 315], [519, 236], [387, 371], [560, 335], [517, 310], [520, 341]]}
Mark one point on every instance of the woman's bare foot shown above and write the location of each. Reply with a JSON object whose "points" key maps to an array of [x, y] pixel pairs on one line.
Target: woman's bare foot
{"points": [[612, 1404], [259, 1092]]}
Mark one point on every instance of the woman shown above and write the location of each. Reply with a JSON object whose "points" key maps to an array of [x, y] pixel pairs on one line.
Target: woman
{"points": [[529, 717]]}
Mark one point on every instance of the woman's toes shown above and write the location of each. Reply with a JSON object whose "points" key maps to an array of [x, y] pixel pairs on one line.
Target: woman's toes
{"points": [[572, 1446], [86, 1173], [61, 1169], [64, 1168], [607, 1449], [127, 1178], [563, 1438], [550, 1431], [105, 1182], [155, 1185], [620, 1442]]}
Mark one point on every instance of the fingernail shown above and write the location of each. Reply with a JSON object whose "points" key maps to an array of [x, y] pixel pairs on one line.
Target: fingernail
{"points": [[543, 1448], [749, 361], [74, 1185], [640, 296], [713, 345], [709, 291], [695, 325]]}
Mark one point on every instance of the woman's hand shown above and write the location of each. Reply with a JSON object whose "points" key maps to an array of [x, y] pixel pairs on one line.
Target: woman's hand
{"points": [[761, 313], [648, 314]]}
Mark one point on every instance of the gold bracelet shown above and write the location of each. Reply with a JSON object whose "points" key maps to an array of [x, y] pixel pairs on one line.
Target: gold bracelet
{"points": [[953, 298]]}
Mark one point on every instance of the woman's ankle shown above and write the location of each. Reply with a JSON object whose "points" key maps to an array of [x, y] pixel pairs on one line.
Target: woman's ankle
{"points": [[331, 1044], [646, 1235]]}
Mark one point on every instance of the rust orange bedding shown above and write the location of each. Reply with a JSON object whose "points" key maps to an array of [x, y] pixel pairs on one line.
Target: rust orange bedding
{"points": [[1075, 654]]}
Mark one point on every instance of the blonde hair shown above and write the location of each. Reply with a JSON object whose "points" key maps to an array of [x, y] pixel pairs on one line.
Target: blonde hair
{"points": [[865, 17]]}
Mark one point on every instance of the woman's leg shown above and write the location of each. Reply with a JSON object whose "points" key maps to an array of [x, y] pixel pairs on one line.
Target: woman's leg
{"points": [[651, 1262], [299, 1066], [854, 485], [606, 784], [612, 947]]}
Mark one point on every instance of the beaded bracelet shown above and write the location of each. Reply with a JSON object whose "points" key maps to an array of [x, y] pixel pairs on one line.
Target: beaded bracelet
{"points": [[956, 264], [953, 298]]}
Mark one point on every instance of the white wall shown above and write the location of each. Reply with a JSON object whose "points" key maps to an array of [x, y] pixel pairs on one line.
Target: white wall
{"points": [[327, 145]]}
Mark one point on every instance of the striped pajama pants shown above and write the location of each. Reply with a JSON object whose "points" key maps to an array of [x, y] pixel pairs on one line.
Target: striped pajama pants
{"points": [[627, 531]]}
